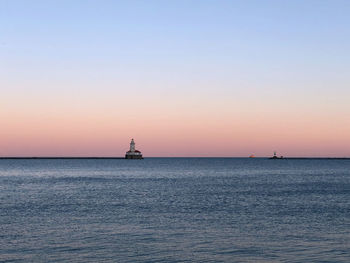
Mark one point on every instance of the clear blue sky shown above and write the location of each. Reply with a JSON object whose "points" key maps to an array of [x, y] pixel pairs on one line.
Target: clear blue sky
{"points": [[292, 56]]}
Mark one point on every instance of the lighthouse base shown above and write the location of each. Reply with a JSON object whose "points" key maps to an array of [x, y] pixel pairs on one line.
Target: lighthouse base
{"points": [[131, 156]]}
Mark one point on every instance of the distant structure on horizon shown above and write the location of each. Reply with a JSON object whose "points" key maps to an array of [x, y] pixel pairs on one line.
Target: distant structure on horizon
{"points": [[276, 157], [133, 153]]}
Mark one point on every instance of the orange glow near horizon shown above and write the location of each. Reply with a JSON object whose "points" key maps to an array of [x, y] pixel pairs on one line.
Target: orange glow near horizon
{"points": [[167, 130]]}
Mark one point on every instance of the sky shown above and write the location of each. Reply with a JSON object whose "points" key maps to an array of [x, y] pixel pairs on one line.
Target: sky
{"points": [[183, 78]]}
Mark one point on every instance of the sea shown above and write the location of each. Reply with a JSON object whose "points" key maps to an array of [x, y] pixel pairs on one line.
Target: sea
{"points": [[175, 210]]}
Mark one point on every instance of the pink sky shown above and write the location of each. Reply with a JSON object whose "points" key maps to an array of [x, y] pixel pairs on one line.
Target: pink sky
{"points": [[163, 126], [183, 78]]}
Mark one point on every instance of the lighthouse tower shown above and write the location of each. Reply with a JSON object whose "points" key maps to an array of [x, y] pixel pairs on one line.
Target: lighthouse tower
{"points": [[132, 146], [133, 153]]}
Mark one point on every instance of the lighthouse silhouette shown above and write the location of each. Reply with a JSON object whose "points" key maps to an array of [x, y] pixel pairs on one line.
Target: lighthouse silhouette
{"points": [[133, 153]]}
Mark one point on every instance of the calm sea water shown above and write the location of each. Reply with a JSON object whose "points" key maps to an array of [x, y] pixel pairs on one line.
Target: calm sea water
{"points": [[175, 210]]}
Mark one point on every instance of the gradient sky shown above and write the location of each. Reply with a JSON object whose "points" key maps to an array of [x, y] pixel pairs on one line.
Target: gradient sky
{"points": [[184, 78]]}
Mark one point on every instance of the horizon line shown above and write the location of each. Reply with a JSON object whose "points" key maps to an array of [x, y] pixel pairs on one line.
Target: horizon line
{"points": [[118, 157]]}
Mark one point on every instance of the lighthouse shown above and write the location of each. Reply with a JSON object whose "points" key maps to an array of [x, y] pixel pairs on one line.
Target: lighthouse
{"points": [[133, 153]]}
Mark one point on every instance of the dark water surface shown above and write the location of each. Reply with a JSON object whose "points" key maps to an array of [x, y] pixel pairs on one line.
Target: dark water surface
{"points": [[175, 210]]}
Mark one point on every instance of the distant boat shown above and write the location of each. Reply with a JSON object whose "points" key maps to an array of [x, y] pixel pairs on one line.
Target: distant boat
{"points": [[276, 157], [252, 156]]}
